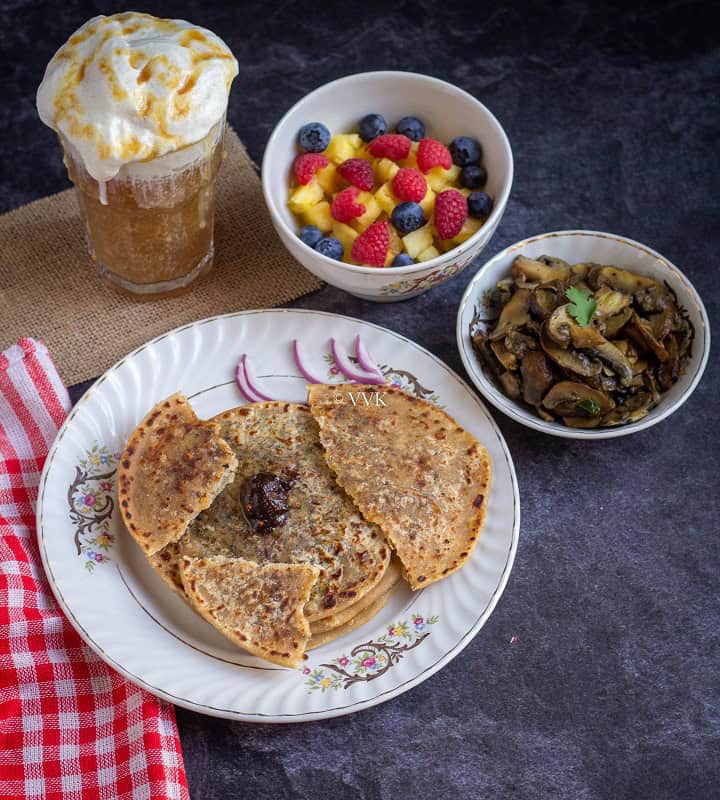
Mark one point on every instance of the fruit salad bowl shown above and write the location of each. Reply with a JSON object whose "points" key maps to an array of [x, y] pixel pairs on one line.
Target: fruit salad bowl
{"points": [[447, 112]]}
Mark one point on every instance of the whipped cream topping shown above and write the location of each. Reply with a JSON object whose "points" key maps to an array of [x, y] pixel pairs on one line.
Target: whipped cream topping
{"points": [[132, 87]]}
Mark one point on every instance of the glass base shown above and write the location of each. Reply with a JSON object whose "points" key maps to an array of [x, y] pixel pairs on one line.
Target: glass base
{"points": [[148, 290]]}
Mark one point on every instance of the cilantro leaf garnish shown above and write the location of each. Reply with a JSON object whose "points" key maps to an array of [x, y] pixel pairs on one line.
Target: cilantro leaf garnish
{"points": [[582, 306], [589, 406]]}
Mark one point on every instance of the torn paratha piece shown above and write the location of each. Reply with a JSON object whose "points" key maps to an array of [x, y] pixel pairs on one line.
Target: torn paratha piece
{"points": [[313, 521], [258, 607], [172, 468], [411, 469]]}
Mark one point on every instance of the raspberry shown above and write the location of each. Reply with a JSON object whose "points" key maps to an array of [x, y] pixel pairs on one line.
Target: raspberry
{"points": [[451, 211], [371, 247], [358, 172], [432, 153], [391, 145], [409, 185], [345, 205], [307, 164]]}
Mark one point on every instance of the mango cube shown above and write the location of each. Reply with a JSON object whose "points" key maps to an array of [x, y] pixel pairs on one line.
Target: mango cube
{"points": [[319, 216], [430, 252], [418, 241], [470, 226], [372, 212], [428, 202], [343, 146], [329, 179], [345, 235], [385, 198], [386, 170], [305, 196], [439, 178]]}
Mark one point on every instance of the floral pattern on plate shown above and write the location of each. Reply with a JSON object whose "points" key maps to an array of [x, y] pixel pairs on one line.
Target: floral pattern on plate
{"points": [[91, 498], [370, 660]]}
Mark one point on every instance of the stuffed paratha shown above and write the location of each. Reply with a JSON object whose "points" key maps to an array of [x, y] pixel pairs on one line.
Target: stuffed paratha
{"points": [[258, 607], [411, 469], [310, 519], [172, 468]]}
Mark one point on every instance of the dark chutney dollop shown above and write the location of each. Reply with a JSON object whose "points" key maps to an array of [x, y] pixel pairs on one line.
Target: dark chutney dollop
{"points": [[265, 500]]}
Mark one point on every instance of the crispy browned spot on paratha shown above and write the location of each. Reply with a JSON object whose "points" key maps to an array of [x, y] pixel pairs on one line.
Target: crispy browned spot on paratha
{"points": [[166, 563], [171, 469], [323, 527], [410, 468], [258, 607]]}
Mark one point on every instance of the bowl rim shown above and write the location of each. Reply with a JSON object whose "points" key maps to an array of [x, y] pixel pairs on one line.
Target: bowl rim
{"points": [[491, 221], [511, 408]]}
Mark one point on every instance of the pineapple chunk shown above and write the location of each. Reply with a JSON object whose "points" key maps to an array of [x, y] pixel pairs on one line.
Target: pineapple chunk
{"points": [[395, 247], [464, 191], [446, 244], [418, 241], [428, 202], [411, 160], [343, 146], [319, 216], [345, 235], [329, 179], [305, 196], [385, 169], [386, 198], [427, 254], [364, 153], [470, 226], [439, 178], [372, 212]]}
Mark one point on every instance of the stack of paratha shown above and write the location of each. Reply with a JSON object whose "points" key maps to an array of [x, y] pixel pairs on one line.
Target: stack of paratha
{"points": [[363, 472]]}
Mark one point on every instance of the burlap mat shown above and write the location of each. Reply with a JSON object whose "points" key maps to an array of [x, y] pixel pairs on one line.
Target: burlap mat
{"points": [[49, 288]]}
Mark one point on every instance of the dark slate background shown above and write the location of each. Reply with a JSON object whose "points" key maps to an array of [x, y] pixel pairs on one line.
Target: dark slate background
{"points": [[612, 687]]}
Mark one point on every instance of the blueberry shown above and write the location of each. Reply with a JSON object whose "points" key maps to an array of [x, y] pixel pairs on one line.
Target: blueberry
{"points": [[402, 260], [465, 150], [408, 217], [412, 127], [371, 126], [330, 247], [479, 205], [314, 137], [473, 177], [310, 235]]}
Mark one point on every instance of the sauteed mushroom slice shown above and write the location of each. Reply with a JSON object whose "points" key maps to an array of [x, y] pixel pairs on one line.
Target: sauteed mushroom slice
{"points": [[620, 279], [553, 261], [532, 270], [633, 409], [514, 315], [519, 343], [558, 326], [582, 422], [653, 298], [669, 371], [573, 399], [511, 385], [609, 302], [589, 338], [613, 325], [537, 377], [543, 301], [504, 356], [570, 360], [640, 332]]}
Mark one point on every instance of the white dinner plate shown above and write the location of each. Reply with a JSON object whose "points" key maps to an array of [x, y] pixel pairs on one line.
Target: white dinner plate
{"points": [[127, 614]]}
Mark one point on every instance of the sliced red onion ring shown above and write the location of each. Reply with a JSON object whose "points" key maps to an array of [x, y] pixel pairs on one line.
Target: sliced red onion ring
{"points": [[364, 359], [349, 370], [252, 380], [242, 384], [300, 360]]}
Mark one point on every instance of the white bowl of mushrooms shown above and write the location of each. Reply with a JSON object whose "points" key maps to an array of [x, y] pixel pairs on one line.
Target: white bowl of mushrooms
{"points": [[583, 334]]}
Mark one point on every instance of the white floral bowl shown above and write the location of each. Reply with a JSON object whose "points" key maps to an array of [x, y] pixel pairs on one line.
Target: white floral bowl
{"points": [[447, 112], [601, 248]]}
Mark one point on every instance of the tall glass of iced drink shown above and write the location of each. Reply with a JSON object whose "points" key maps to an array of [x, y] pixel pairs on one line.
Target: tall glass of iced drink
{"points": [[139, 105]]}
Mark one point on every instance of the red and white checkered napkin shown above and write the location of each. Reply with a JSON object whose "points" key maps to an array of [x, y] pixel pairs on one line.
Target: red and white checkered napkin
{"points": [[70, 727]]}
